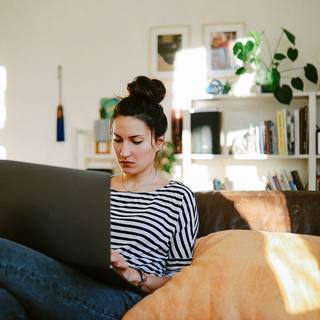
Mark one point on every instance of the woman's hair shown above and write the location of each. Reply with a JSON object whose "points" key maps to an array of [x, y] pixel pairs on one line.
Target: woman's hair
{"points": [[143, 103]]}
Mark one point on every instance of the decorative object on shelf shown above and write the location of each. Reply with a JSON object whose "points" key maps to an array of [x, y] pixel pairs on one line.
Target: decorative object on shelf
{"points": [[166, 42], [218, 41], [101, 127], [205, 131], [167, 156], [60, 122], [216, 87], [269, 76], [176, 130]]}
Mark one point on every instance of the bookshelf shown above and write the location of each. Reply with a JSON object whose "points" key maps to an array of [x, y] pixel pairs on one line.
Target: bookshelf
{"points": [[237, 114]]}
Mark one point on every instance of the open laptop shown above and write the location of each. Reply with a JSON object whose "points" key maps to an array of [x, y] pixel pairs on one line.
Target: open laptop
{"points": [[63, 213]]}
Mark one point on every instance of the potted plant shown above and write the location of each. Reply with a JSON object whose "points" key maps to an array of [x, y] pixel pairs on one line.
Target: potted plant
{"points": [[166, 157], [269, 75]]}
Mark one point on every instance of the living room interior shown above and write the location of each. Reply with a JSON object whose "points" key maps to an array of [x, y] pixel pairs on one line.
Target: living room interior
{"points": [[100, 46], [76, 53]]}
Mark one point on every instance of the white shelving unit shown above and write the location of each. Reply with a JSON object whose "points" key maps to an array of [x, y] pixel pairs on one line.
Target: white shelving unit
{"points": [[237, 114], [83, 152]]}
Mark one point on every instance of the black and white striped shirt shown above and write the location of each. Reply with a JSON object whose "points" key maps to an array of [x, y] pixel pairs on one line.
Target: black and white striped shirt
{"points": [[155, 230]]}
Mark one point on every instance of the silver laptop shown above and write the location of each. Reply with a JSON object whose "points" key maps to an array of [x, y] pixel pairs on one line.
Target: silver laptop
{"points": [[63, 213]]}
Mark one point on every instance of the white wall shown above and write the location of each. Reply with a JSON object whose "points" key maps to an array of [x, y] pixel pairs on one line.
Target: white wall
{"points": [[102, 45]]}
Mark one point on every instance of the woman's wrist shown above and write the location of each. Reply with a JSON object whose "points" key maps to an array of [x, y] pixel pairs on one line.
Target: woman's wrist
{"points": [[135, 277], [143, 277]]}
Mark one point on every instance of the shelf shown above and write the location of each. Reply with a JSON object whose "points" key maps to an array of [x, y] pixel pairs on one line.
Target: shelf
{"points": [[245, 157]]}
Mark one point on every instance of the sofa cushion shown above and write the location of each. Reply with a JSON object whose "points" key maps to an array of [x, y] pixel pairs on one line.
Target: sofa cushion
{"points": [[242, 274]]}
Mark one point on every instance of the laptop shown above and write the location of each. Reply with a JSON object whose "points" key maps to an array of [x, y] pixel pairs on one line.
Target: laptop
{"points": [[61, 212]]}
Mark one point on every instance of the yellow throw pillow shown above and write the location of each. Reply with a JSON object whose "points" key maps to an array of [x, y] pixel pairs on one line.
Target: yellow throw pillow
{"points": [[242, 274]]}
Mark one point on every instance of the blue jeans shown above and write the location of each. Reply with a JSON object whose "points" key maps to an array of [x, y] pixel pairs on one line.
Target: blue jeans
{"points": [[34, 286]]}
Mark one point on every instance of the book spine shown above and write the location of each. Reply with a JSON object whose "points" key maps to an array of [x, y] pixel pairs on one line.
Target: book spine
{"points": [[271, 181], [296, 132], [275, 139], [270, 125], [266, 135], [277, 182], [285, 130], [280, 133], [296, 179], [261, 137]]}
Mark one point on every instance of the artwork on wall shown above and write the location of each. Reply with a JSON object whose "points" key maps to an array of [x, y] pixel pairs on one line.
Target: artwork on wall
{"points": [[219, 40], [165, 43]]}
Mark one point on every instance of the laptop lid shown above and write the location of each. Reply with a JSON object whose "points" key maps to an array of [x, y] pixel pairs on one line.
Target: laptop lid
{"points": [[61, 212]]}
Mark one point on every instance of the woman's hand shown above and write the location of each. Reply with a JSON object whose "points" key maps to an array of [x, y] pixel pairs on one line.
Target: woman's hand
{"points": [[123, 268], [133, 276]]}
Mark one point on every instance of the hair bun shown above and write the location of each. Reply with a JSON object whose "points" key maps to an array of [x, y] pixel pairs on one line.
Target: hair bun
{"points": [[144, 88]]}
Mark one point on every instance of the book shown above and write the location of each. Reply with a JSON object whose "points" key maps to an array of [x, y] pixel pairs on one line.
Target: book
{"points": [[293, 186], [280, 133], [284, 179], [267, 140], [270, 125], [296, 114], [272, 183], [304, 131], [261, 125], [277, 182], [274, 133], [290, 134], [285, 114], [296, 179]]}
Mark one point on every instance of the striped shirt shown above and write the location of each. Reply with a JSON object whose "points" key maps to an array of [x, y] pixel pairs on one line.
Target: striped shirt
{"points": [[155, 230]]}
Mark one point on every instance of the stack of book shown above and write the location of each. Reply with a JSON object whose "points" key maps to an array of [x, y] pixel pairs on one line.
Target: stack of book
{"points": [[281, 181], [288, 135]]}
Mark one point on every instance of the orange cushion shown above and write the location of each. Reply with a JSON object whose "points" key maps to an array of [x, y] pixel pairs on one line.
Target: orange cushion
{"points": [[241, 274]]}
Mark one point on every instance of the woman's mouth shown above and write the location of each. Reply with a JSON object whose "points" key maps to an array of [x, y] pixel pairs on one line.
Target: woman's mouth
{"points": [[126, 163]]}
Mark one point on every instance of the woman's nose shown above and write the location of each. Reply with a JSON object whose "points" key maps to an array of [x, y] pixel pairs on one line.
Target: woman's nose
{"points": [[125, 150]]}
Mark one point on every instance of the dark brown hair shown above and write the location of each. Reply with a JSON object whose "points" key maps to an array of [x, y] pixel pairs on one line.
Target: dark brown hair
{"points": [[143, 103]]}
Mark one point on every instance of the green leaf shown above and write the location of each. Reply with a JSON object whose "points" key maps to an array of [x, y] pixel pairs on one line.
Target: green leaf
{"points": [[292, 54], [264, 77], [283, 94], [279, 56], [239, 50], [275, 80], [297, 83], [241, 71], [249, 45], [311, 73], [255, 35], [290, 36]]}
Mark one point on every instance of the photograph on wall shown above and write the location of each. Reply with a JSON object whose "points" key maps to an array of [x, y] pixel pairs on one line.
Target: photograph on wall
{"points": [[219, 40], [166, 43]]}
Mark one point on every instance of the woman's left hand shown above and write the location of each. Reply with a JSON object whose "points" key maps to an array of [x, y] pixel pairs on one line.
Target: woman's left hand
{"points": [[133, 276], [123, 268]]}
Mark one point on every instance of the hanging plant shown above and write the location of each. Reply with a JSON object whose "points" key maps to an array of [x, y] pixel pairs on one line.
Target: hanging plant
{"points": [[269, 76]]}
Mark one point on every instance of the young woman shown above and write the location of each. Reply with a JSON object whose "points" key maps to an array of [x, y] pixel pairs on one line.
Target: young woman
{"points": [[154, 224]]}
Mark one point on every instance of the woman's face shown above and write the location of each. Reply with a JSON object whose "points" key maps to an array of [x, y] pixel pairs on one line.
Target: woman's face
{"points": [[134, 146]]}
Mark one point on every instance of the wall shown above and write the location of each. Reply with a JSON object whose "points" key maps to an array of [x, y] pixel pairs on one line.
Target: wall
{"points": [[102, 45]]}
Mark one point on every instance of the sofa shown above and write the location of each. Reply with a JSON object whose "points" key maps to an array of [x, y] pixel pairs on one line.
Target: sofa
{"points": [[257, 256]]}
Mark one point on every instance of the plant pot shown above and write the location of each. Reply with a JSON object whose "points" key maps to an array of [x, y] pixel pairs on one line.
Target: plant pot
{"points": [[101, 130]]}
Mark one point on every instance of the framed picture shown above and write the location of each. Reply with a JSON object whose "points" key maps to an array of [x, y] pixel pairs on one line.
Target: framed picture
{"points": [[219, 40], [166, 43]]}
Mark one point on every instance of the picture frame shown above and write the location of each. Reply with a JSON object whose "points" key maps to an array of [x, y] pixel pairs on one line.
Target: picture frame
{"points": [[219, 40], [165, 43]]}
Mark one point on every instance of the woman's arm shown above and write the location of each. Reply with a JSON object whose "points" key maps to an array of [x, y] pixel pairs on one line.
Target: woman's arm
{"points": [[133, 276]]}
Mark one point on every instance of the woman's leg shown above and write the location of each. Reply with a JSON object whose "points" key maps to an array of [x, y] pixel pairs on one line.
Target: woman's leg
{"points": [[49, 290]]}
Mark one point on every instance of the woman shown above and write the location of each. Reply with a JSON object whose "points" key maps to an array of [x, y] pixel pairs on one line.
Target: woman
{"points": [[154, 225]]}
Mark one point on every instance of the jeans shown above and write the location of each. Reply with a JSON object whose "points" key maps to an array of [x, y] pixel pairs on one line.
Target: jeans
{"points": [[34, 286]]}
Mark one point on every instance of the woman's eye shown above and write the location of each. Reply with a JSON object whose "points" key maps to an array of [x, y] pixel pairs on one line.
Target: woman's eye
{"points": [[136, 142], [116, 140]]}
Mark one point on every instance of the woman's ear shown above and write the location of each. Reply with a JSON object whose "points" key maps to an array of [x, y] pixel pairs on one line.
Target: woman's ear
{"points": [[160, 142]]}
